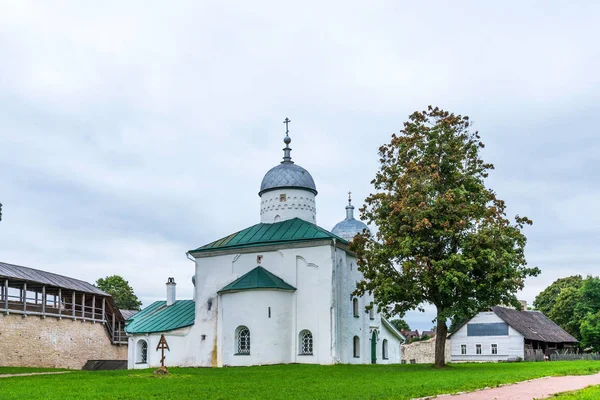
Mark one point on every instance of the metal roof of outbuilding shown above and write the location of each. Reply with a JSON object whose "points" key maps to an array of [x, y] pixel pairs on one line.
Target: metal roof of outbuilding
{"points": [[258, 278], [18, 272], [534, 325], [158, 317], [291, 230]]}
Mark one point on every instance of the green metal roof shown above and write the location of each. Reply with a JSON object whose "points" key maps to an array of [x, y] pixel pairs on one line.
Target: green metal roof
{"points": [[291, 230], [258, 278], [157, 317]]}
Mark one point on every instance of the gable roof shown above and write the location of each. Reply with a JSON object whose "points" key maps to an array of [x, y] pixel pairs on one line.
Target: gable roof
{"points": [[258, 278], [158, 317], [20, 273], [534, 325], [291, 230], [393, 329]]}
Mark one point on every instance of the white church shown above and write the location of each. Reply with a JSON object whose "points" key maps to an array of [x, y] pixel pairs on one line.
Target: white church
{"points": [[276, 292]]}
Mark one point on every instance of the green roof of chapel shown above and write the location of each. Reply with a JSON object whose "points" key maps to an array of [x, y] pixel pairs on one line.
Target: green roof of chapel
{"points": [[291, 230], [258, 278], [158, 317]]}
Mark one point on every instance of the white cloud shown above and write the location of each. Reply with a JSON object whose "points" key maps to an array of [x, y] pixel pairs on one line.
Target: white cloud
{"points": [[131, 132]]}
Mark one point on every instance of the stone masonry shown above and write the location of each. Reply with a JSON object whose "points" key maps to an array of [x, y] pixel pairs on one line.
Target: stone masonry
{"points": [[54, 343], [422, 352]]}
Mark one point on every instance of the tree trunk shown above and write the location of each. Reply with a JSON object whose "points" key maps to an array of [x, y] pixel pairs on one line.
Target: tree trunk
{"points": [[441, 332]]}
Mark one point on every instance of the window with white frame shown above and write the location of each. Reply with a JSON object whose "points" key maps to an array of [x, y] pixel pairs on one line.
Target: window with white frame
{"points": [[242, 337], [306, 343], [355, 307], [463, 349], [142, 353], [494, 348], [384, 349], [356, 349], [372, 313], [477, 349]]}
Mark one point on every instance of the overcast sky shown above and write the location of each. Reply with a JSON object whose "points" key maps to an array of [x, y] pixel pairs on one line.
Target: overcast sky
{"points": [[131, 132]]}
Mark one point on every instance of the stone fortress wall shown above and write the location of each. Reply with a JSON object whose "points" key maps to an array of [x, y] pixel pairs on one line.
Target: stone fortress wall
{"points": [[422, 352], [54, 343]]}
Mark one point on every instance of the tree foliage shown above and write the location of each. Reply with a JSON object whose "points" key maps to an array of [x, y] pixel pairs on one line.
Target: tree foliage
{"points": [[443, 238], [590, 331], [400, 324], [574, 304], [121, 292]]}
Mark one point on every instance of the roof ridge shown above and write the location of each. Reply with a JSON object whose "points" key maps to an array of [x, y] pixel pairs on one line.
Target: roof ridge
{"points": [[46, 272], [289, 230]]}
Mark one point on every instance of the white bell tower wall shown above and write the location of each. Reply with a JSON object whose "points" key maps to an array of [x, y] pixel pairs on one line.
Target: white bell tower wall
{"points": [[282, 204]]}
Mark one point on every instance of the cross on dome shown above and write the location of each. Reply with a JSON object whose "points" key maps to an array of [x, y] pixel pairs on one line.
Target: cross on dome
{"points": [[287, 158]]}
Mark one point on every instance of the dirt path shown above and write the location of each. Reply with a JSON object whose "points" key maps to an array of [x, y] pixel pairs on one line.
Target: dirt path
{"points": [[534, 389], [33, 373]]}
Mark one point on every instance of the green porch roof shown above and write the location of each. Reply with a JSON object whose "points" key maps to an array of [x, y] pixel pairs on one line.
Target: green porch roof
{"points": [[157, 317], [291, 230], [258, 278]]}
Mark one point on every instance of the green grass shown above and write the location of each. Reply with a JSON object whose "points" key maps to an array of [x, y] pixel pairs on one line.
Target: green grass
{"points": [[23, 370], [591, 393], [284, 381]]}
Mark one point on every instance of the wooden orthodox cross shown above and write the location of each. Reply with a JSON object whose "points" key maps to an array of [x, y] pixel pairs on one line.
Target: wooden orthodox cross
{"points": [[162, 345]]}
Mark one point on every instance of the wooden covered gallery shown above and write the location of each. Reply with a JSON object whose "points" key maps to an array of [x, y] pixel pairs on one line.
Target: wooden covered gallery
{"points": [[50, 320]]}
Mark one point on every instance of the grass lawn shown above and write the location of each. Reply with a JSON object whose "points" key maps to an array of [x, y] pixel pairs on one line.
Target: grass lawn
{"points": [[21, 370], [591, 393], [284, 381]]}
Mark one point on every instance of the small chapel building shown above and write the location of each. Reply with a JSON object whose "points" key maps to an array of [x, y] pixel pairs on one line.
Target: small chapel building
{"points": [[276, 292]]}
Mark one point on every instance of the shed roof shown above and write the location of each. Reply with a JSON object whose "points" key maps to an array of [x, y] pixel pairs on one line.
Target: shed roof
{"points": [[128, 314], [158, 317], [18, 272], [258, 278], [534, 325], [291, 230]]}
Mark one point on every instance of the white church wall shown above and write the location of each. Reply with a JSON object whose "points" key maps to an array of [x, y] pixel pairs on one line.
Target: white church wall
{"points": [[179, 353], [270, 335], [345, 278], [284, 203], [394, 347], [306, 268], [511, 345]]}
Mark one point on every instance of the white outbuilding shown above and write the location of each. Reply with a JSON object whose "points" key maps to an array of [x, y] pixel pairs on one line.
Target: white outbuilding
{"points": [[276, 292], [503, 334]]}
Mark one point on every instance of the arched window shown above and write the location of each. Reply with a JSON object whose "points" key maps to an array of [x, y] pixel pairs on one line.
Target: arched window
{"points": [[242, 337], [306, 342], [372, 313], [356, 347], [142, 352], [384, 349], [355, 307]]}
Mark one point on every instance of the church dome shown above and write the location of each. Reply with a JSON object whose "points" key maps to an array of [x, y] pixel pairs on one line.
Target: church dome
{"points": [[287, 175], [349, 227]]}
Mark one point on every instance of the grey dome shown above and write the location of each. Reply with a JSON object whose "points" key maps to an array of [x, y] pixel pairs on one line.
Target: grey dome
{"points": [[287, 175], [349, 227]]}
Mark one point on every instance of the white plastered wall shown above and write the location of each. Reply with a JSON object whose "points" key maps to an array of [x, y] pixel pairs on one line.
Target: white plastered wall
{"points": [[270, 335], [177, 355], [283, 204], [348, 326], [308, 269]]}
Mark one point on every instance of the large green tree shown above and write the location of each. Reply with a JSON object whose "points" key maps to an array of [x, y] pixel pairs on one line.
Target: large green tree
{"points": [[558, 302], [443, 238], [546, 300], [121, 291]]}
